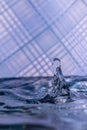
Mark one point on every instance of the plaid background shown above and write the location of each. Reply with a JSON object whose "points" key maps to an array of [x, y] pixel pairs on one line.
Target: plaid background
{"points": [[33, 32]]}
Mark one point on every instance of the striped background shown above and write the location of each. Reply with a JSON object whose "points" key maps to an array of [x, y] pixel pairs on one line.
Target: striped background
{"points": [[33, 32]]}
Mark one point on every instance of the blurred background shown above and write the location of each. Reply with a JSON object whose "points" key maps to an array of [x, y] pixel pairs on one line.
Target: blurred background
{"points": [[33, 32]]}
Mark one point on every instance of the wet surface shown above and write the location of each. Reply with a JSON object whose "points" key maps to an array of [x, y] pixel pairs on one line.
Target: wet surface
{"points": [[25, 104]]}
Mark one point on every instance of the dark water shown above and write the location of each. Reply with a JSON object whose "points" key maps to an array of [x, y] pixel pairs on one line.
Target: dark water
{"points": [[24, 104]]}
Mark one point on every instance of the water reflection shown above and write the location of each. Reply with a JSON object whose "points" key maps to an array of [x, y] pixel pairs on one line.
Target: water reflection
{"points": [[21, 102], [44, 103]]}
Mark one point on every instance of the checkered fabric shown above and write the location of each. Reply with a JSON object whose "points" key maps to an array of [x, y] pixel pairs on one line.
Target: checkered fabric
{"points": [[33, 32]]}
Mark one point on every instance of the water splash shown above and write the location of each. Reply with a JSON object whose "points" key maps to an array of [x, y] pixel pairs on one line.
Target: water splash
{"points": [[60, 85], [45, 100], [67, 88]]}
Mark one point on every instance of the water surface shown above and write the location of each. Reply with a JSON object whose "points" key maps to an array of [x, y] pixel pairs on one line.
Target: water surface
{"points": [[24, 105]]}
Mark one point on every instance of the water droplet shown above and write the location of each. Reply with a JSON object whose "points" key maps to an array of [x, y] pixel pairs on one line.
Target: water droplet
{"points": [[56, 63]]}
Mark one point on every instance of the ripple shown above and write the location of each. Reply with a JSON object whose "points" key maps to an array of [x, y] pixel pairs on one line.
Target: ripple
{"points": [[27, 101]]}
